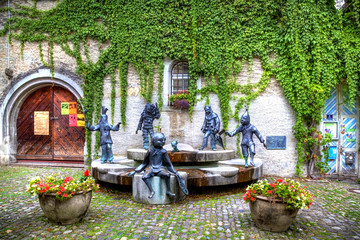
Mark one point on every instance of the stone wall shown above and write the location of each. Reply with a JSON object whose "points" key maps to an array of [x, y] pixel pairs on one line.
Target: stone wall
{"points": [[270, 112]]}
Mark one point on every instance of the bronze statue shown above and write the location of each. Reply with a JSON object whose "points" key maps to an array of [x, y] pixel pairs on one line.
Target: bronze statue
{"points": [[174, 146], [149, 114], [155, 160], [210, 128], [105, 139], [247, 143]]}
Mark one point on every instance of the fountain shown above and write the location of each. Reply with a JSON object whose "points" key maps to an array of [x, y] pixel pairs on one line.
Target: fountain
{"points": [[204, 168]]}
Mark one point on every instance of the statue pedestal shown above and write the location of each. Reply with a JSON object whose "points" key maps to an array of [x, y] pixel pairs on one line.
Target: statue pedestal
{"points": [[141, 191]]}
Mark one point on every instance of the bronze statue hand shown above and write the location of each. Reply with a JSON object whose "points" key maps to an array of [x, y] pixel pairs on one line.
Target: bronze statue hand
{"points": [[264, 144], [131, 174], [228, 134]]}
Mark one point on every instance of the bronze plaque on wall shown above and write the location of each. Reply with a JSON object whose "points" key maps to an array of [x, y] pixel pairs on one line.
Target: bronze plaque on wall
{"points": [[41, 123]]}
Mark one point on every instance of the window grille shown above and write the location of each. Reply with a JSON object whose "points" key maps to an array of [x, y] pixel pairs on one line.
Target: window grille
{"points": [[179, 77]]}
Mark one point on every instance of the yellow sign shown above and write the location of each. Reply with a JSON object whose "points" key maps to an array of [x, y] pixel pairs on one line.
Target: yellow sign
{"points": [[80, 120], [41, 123]]}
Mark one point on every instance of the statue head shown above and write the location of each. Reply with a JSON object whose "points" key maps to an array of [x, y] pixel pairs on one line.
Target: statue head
{"points": [[103, 118], [245, 118], [149, 108], [158, 140], [208, 109]]}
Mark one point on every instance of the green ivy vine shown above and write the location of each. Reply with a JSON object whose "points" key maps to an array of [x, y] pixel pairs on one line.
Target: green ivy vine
{"points": [[314, 47]]}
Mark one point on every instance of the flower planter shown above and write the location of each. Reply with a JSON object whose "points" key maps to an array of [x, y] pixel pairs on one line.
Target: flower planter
{"points": [[67, 211], [271, 215], [181, 104]]}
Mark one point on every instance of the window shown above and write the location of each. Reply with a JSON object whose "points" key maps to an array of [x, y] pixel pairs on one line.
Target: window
{"points": [[179, 77]]}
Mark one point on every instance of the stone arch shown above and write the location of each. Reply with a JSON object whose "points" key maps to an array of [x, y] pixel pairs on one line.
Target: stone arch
{"points": [[15, 97]]}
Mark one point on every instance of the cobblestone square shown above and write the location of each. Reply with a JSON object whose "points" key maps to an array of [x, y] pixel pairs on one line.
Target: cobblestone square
{"points": [[335, 214]]}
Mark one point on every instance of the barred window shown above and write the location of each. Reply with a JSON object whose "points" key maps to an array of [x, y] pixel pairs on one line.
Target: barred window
{"points": [[179, 77]]}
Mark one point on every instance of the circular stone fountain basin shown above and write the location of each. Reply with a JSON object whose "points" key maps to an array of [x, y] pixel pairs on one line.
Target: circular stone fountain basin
{"points": [[199, 175], [186, 156], [204, 168]]}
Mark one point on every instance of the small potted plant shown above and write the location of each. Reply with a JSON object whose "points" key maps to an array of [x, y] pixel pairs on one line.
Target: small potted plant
{"points": [[274, 205], [180, 100], [64, 200]]}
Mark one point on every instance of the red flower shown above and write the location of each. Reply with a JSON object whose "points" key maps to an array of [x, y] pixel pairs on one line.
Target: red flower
{"points": [[244, 197], [279, 180], [310, 203], [58, 193], [65, 195], [86, 173], [254, 191], [272, 185], [62, 189], [269, 191], [67, 179], [252, 199]]}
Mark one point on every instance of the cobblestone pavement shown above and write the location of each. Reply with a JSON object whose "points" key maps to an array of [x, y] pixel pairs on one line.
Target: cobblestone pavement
{"points": [[113, 214]]}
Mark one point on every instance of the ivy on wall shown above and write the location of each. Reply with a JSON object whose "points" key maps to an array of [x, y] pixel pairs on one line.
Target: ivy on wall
{"points": [[315, 47]]}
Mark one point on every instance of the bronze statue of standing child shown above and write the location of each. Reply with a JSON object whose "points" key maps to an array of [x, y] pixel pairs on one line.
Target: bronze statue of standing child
{"points": [[247, 142], [105, 139]]}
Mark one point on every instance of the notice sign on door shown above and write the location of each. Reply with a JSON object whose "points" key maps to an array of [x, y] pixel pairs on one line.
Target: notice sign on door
{"points": [[41, 123], [80, 120], [64, 108], [72, 120], [72, 107]]}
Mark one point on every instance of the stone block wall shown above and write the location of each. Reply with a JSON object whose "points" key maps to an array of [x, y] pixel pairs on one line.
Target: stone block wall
{"points": [[270, 112]]}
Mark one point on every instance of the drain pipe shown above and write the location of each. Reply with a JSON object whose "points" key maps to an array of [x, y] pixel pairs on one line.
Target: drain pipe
{"points": [[9, 15]]}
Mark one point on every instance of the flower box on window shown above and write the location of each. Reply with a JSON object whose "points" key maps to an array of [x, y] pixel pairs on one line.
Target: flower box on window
{"points": [[180, 100]]}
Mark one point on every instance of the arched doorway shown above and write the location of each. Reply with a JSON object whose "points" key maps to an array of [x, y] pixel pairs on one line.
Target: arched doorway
{"points": [[50, 126]]}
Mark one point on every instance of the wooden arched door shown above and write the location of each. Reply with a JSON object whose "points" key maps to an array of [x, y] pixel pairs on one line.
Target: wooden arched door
{"points": [[50, 126]]}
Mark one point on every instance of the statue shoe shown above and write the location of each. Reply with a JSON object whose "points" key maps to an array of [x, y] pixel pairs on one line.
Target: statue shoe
{"points": [[214, 149], [170, 194], [151, 195], [252, 163], [246, 163]]}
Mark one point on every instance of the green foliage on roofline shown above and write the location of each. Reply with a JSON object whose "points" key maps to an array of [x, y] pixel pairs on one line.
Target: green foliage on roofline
{"points": [[314, 48]]}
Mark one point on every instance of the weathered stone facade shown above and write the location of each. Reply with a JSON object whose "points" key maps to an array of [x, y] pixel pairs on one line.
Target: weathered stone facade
{"points": [[270, 112]]}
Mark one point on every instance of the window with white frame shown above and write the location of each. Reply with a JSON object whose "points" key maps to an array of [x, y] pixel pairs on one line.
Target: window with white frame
{"points": [[179, 77]]}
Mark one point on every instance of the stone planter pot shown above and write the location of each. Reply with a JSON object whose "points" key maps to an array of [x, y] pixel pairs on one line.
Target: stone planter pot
{"points": [[67, 211], [271, 215]]}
